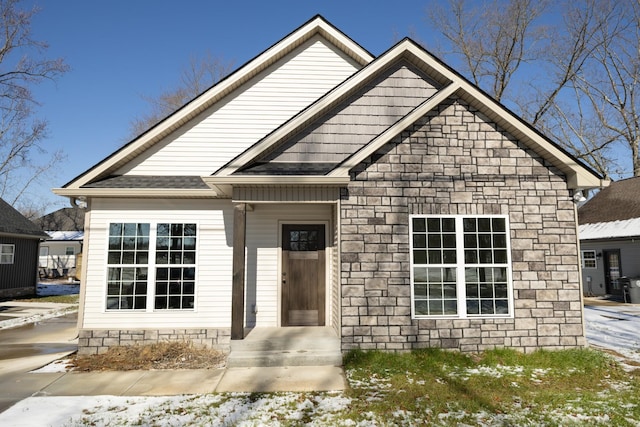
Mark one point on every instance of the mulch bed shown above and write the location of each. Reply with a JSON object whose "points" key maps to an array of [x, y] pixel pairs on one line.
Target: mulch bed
{"points": [[165, 355]]}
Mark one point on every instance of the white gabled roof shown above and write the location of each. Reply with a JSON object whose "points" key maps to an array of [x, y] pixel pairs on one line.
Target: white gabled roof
{"points": [[610, 230], [317, 25], [578, 175]]}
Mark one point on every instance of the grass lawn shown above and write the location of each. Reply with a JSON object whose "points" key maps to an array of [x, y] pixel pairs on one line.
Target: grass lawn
{"points": [[498, 387], [62, 299], [422, 388]]}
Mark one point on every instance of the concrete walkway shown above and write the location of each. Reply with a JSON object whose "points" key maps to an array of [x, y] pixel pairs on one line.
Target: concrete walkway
{"points": [[34, 345], [179, 381]]}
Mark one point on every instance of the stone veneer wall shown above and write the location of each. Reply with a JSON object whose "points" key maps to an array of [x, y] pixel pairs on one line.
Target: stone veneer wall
{"points": [[96, 341], [454, 161]]}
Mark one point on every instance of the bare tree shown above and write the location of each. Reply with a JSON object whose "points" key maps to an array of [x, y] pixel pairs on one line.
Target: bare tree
{"points": [[547, 69], [22, 65], [611, 88], [198, 76], [492, 39]]}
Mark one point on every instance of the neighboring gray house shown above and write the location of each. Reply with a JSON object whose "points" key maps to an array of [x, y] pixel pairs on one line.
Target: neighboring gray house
{"points": [[610, 238], [387, 200], [19, 240]]}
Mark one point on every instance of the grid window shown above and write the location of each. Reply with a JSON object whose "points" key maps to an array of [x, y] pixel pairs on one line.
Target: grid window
{"points": [[127, 268], [460, 266], [69, 250], [485, 243], [487, 290], [175, 266], [7, 254], [589, 259], [127, 288], [435, 291], [175, 287]]}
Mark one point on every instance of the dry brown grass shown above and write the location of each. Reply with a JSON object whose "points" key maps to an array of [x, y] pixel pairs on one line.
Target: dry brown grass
{"points": [[165, 355]]}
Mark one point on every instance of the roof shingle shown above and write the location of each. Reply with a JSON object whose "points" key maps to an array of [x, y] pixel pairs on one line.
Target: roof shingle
{"points": [[13, 222], [150, 181], [620, 201]]}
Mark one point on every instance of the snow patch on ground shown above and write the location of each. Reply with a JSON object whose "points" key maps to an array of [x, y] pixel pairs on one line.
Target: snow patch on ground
{"points": [[610, 327], [62, 365], [616, 328]]}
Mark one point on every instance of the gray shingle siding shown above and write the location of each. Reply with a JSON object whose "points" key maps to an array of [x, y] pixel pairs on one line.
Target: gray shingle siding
{"points": [[359, 119], [455, 162]]}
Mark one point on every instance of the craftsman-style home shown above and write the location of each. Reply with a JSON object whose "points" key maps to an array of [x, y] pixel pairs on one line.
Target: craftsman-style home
{"points": [[387, 200]]}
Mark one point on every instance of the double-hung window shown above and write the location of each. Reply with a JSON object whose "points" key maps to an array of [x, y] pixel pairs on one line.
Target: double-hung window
{"points": [[128, 266], [151, 266], [175, 266], [460, 266], [589, 259], [7, 254]]}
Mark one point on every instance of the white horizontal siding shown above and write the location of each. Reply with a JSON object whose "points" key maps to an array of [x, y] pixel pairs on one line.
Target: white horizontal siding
{"points": [[285, 194], [213, 269], [247, 115], [263, 255], [372, 111], [214, 260]]}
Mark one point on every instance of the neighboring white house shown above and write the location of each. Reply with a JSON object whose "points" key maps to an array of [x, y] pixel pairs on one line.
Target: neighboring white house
{"points": [[58, 253], [386, 199]]}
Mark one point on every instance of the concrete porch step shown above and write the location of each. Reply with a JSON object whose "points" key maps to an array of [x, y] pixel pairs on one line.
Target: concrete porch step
{"points": [[292, 346]]}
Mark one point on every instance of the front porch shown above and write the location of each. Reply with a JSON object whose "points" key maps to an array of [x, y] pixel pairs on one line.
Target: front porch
{"points": [[285, 267], [291, 346]]}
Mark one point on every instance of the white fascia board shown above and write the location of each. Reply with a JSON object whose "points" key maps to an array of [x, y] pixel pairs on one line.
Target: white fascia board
{"points": [[351, 48], [580, 180], [578, 176], [223, 88], [137, 192], [316, 109], [395, 130]]}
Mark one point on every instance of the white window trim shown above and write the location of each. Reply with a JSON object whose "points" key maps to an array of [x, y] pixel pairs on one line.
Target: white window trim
{"points": [[151, 268], [108, 265], [595, 260], [152, 291], [3, 253], [460, 273]]}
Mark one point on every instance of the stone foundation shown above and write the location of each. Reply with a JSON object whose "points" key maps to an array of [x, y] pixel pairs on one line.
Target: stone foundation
{"points": [[96, 341]]}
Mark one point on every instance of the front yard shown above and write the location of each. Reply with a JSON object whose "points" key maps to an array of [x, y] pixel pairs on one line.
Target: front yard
{"points": [[427, 387]]}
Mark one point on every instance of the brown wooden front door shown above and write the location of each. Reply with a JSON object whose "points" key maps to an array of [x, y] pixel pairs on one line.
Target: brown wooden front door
{"points": [[303, 275]]}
